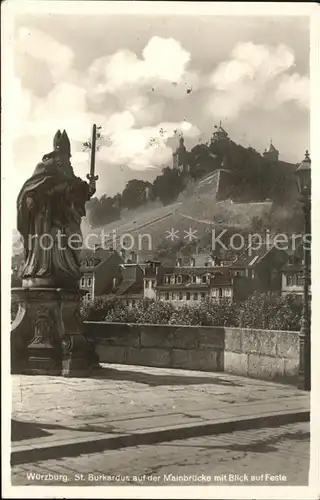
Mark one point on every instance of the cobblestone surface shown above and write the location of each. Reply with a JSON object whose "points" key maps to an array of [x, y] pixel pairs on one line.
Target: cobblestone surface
{"points": [[269, 456]]}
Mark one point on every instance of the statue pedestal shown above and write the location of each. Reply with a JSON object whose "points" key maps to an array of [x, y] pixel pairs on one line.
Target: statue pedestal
{"points": [[47, 335]]}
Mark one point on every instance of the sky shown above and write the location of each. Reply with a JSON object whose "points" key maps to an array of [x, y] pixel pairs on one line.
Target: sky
{"points": [[146, 79]]}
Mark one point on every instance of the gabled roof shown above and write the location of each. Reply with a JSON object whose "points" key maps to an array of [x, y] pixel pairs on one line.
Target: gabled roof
{"points": [[194, 270], [252, 256], [124, 286], [96, 258], [272, 149], [132, 277]]}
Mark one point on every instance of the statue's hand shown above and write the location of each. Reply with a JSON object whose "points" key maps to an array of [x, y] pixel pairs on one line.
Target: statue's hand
{"points": [[30, 203], [92, 188]]}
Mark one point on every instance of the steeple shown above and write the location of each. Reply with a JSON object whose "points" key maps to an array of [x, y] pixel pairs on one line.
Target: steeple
{"points": [[271, 154]]}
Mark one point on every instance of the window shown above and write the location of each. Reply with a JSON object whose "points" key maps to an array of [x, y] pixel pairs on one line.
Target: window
{"points": [[203, 295], [195, 296], [180, 296], [204, 278], [133, 303], [89, 281], [83, 281], [179, 279], [166, 296], [166, 279], [172, 280], [193, 279], [300, 279], [173, 296], [295, 279], [188, 296]]}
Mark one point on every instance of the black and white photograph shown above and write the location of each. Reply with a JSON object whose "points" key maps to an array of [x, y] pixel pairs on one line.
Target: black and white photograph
{"points": [[157, 264]]}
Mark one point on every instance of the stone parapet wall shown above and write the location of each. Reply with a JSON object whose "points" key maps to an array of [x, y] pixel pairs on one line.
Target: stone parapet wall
{"points": [[262, 354]]}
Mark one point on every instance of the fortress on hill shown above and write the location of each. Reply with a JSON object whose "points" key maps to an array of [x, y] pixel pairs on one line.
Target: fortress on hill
{"points": [[226, 165]]}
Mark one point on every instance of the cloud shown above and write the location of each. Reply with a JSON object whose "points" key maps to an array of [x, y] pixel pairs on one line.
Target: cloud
{"points": [[135, 136], [251, 77], [294, 88], [163, 65], [142, 148]]}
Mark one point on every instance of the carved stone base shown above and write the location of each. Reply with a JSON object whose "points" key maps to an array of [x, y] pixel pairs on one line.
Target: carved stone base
{"points": [[47, 335]]}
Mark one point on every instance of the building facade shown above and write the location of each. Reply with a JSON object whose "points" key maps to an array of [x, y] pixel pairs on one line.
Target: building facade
{"points": [[292, 274], [189, 285], [99, 272]]}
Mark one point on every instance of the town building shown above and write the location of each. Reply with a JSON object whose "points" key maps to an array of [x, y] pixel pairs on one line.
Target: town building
{"points": [[292, 275], [151, 275], [188, 285], [200, 275], [99, 272], [129, 286], [259, 268]]}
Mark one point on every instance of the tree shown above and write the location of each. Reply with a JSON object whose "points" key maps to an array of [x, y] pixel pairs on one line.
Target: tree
{"points": [[168, 185], [102, 211], [135, 193]]}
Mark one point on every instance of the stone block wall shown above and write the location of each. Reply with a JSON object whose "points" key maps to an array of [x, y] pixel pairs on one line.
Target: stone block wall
{"points": [[262, 354], [189, 347]]}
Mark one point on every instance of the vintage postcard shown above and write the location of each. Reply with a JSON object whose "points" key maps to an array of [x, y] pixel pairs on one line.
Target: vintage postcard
{"points": [[160, 164]]}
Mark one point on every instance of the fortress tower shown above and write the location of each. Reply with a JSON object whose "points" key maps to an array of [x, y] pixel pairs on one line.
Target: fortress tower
{"points": [[271, 155], [180, 157], [219, 134]]}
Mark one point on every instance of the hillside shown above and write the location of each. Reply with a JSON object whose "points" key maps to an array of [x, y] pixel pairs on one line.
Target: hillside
{"points": [[225, 186]]}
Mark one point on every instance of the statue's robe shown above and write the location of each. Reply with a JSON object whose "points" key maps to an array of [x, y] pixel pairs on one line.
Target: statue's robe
{"points": [[47, 256]]}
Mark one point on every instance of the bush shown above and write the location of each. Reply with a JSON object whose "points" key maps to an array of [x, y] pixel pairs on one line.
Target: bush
{"points": [[262, 311], [271, 311], [97, 310]]}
